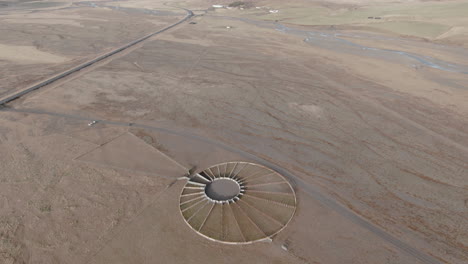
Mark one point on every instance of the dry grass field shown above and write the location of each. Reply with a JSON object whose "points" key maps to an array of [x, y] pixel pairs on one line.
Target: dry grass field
{"points": [[367, 120], [42, 43]]}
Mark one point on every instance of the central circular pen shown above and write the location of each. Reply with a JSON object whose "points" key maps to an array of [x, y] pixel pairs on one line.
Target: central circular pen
{"points": [[237, 202], [223, 189]]}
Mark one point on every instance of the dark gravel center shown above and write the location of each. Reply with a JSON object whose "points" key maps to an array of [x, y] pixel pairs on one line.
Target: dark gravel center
{"points": [[222, 189]]}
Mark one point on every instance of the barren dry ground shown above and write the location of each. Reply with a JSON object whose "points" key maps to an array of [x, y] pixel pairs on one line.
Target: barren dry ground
{"points": [[374, 144]]}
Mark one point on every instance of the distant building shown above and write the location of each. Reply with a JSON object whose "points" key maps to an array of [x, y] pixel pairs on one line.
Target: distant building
{"points": [[217, 6]]}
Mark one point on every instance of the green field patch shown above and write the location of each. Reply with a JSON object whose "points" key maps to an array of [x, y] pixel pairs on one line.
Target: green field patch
{"points": [[413, 28], [295, 12], [426, 10], [323, 16]]}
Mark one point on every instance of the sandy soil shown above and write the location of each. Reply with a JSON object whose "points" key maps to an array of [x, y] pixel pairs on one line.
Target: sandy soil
{"points": [[371, 135]]}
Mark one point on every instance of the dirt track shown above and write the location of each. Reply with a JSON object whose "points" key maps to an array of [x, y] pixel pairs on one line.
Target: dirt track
{"points": [[307, 188], [368, 155]]}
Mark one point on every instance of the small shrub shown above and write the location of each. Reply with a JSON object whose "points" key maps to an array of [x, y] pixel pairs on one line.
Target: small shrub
{"points": [[45, 208], [236, 4]]}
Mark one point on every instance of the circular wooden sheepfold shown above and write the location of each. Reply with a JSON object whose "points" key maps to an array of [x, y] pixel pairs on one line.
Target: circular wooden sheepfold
{"points": [[237, 202]]}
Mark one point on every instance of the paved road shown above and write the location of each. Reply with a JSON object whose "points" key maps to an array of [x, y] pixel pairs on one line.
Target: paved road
{"points": [[10, 97], [306, 187]]}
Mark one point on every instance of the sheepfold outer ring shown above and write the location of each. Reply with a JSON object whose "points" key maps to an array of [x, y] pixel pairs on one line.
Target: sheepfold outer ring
{"points": [[261, 191]]}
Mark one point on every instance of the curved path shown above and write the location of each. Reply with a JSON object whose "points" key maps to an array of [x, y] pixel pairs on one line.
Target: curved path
{"points": [[306, 187], [10, 97]]}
